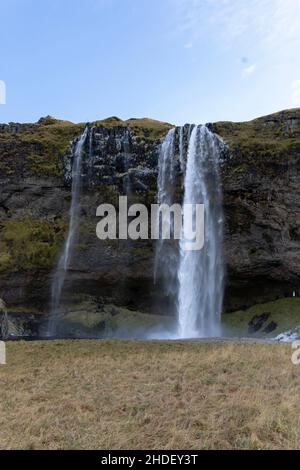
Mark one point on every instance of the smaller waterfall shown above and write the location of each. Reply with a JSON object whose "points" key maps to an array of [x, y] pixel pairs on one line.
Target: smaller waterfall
{"points": [[127, 162], [91, 153], [165, 265], [64, 261]]}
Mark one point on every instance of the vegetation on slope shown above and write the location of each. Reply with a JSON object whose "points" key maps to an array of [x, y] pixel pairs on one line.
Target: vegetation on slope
{"points": [[37, 149], [264, 320], [267, 135], [143, 128], [27, 244]]}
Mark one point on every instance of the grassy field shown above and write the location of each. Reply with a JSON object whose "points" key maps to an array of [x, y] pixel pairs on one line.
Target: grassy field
{"points": [[153, 395]]}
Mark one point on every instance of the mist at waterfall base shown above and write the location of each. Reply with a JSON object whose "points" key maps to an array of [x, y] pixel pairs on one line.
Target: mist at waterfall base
{"points": [[192, 281]]}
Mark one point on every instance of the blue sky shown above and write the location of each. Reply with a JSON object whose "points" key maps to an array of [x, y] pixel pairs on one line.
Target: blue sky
{"points": [[173, 60]]}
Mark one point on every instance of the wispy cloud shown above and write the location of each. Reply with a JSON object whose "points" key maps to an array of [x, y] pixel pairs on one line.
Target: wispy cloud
{"points": [[248, 71], [275, 22], [296, 93]]}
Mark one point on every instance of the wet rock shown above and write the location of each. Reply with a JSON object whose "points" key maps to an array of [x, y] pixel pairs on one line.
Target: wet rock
{"points": [[257, 322], [270, 327]]}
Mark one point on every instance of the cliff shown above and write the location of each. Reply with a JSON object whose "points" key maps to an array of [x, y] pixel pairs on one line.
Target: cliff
{"points": [[260, 177], [262, 206]]}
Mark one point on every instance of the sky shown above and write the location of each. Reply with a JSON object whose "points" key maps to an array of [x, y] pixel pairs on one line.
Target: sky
{"points": [[173, 60]]}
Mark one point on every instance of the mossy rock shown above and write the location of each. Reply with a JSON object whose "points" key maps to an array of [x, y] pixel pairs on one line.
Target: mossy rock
{"points": [[271, 318], [36, 149], [268, 136], [111, 321], [27, 244]]}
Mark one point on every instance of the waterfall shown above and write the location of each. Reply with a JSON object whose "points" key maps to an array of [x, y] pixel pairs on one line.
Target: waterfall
{"points": [[166, 257], [91, 154], [127, 163], [64, 261], [199, 274]]}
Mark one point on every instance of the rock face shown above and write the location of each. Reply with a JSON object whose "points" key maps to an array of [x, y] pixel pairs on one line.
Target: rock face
{"points": [[120, 158], [261, 190]]}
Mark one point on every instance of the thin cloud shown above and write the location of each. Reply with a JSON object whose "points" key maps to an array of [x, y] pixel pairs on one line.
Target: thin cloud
{"points": [[248, 71], [275, 23]]}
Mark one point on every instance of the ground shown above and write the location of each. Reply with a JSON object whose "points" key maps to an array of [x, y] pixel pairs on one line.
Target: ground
{"points": [[152, 395]]}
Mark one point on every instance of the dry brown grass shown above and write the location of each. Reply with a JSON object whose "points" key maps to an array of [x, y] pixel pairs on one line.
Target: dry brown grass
{"points": [[135, 395]]}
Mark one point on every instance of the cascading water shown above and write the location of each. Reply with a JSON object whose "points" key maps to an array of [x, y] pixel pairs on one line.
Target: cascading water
{"points": [[197, 275], [166, 257], [200, 273], [64, 261], [126, 150], [91, 153]]}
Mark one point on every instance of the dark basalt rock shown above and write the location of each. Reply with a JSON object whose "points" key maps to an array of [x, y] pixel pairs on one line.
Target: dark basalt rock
{"points": [[257, 322], [270, 327], [260, 174]]}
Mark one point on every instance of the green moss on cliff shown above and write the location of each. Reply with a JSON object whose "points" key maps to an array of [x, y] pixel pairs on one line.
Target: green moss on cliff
{"points": [[269, 135], [56, 133], [37, 149], [27, 149], [29, 244], [53, 139], [148, 128], [284, 313], [113, 320]]}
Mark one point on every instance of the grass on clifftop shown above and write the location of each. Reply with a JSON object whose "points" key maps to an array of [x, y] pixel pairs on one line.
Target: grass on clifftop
{"points": [[143, 128], [269, 135], [149, 395], [37, 149]]}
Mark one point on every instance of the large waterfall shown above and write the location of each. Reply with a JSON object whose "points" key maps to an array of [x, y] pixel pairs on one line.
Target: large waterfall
{"points": [[64, 261], [195, 152], [200, 272]]}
